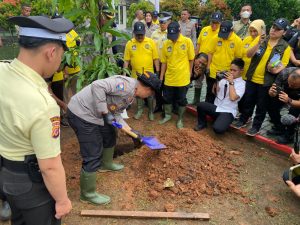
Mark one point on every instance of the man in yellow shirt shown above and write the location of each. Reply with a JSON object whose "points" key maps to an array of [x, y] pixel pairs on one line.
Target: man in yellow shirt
{"points": [[32, 175], [222, 49], [206, 35], [177, 62], [141, 54], [208, 32], [269, 57]]}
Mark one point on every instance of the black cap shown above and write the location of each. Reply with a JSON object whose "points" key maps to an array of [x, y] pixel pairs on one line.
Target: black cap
{"points": [[151, 80], [173, 31], [216, 17], [139, 28], [225, 29], [281, 23], [155, 13]]}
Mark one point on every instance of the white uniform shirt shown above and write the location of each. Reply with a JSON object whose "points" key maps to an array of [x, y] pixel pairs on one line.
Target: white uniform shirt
{"points": [[222, 101]]}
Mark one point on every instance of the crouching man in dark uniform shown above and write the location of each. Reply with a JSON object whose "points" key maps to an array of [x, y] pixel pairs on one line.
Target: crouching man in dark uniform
{"points": [[91, 113], [32, 177]]}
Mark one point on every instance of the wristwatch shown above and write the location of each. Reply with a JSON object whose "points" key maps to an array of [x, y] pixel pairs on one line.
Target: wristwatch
{"points": [[289, 101], [231, 83]]}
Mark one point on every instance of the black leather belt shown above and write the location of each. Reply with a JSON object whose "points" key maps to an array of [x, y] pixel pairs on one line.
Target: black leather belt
{"points": [[14, 166]]}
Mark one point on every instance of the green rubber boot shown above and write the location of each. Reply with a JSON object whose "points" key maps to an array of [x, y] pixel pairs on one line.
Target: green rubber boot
{"points": [[181, 110], [197, 95], [88, 189], [168, 114], [107, 161], [140, 108], [151, 108]]}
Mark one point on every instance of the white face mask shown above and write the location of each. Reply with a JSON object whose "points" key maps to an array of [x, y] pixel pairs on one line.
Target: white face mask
{"points": [[245, 14]]}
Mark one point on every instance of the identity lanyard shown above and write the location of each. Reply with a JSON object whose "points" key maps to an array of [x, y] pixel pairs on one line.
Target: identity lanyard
{"points": [[225, 92]]}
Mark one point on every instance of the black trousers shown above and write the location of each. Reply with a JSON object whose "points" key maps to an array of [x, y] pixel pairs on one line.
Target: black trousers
{"points": [[30, 203], [222, 119], [58, 89], [92, 139], [255, 94], [210, 96], [274, 108], [175, 95]]}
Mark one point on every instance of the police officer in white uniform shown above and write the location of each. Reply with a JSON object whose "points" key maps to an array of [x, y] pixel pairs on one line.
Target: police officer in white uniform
{"points": [[32, 177]]}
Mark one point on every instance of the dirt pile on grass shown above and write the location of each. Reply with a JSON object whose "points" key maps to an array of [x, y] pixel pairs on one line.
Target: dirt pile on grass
{"points": [[193, 167]]}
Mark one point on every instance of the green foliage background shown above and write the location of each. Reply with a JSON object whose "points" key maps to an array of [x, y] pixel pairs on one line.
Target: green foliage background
{"points": [[143, 5], [94, 58], [268, 10], [195, 9]]}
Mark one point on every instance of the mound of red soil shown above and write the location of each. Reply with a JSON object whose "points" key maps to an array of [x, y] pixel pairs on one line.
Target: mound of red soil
{"points": [[193, 166]]}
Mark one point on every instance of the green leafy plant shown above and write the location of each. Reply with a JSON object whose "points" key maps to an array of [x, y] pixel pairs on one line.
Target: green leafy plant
{"points": [[94, 55]]}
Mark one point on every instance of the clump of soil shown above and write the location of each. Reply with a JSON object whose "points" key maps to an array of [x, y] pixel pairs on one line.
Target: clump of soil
{"points": [[272, 211], [194, 163]]}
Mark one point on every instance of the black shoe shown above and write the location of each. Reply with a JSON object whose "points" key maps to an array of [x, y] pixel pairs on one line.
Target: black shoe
{"points": [[252, 132], [275, 132], [238, 124], [158, 109], [284, 139], [199, 127]]}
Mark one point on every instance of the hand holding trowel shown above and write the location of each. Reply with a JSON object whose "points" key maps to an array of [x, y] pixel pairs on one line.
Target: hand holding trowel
{"points": [[150, 141]]}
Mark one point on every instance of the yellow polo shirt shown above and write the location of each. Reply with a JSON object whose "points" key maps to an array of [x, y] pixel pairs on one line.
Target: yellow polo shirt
{"points": [[159, 37], [205, 36], [58, 76], [177, 57], [245, 47], [223, 52], [155, 22], [140, 55], [259, 74], [29, 116]]}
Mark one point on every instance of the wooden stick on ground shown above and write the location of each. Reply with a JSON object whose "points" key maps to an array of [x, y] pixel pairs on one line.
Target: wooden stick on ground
{"points": [[145, 214]]}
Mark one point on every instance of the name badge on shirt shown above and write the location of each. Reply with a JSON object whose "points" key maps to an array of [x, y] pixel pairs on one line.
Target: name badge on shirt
{"points": [[260, 51], [133, 47], [169, 49], [231, 45], [219, 43], [183, 47], [205, 34], [147, 46]]}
